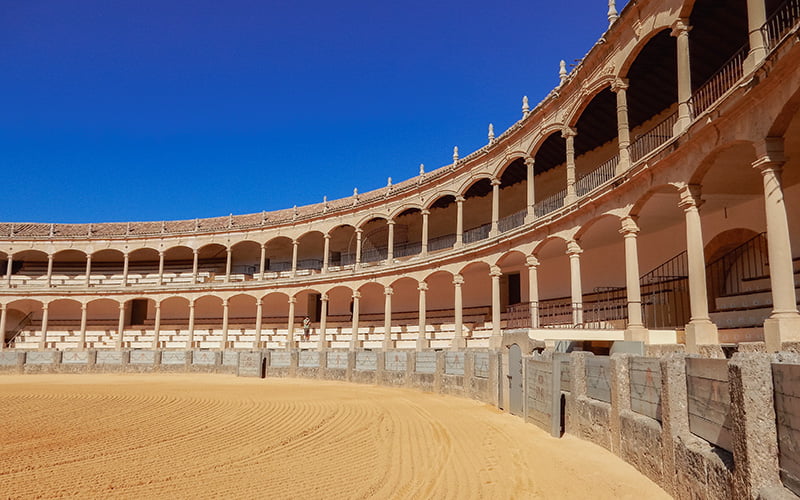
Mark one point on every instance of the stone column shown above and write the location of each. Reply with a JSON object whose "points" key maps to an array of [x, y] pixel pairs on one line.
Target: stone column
{"points": [[121, 326], [680, 30], [495, 272], [425, 214], [3, 319], [262, 261], [358, 249], [125, 265], [157, 326], [326, 253], [531, 192], [459, 337], [43, 342], [576, 291], [88, 269], [290, 331], [295, 245], [495, 208], [533, 289], [569, 136], [700, 329], [191, 325], [635, 329], [620, 87], [160, 268], [460, 221], [422, 339], [225, 309], [756, 18], [323, 322], [82, 339], [195, 266], [9, 267], [228, 264], [783, 325], [259, 321], [354, 325], [50, 270], [674, 416], [387, 318], [390, 244]]}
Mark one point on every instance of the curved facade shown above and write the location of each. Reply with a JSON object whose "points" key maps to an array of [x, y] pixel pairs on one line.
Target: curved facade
{"points": [[652, 195]]}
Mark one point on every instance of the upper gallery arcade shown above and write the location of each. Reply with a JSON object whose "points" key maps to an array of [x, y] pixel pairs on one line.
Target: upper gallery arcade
{"points": [[652, 195]]}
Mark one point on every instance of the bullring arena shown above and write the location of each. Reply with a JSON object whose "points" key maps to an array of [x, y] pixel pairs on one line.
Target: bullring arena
{"points": [[619, 266]]}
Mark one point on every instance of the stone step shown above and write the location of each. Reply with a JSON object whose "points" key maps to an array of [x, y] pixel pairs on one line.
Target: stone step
{"points": [[741, 318]]}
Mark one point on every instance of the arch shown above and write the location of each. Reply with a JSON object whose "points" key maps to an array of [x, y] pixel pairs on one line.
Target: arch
{"points": [[405, 207], [786, 116], [588, 225], [107, 255], [544, 134], [366, 219], [537, 250], [588, 93], [474, 179], [640, 202], [509, 159], [641, 43], [729, 152]]}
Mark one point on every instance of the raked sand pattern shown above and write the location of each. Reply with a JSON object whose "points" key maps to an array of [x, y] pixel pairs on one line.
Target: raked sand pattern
{"points": [[202, 436]]}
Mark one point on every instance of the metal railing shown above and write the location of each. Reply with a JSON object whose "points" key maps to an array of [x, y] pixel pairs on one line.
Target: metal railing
{"points": [[723, 80], [727, 274], [406, 249], [604, 306], [441, 242], [665, 294], [597, 177], [781, 22], [477, 233], [511, 221], [550, 204], [18, 330], [374, 254], [657, 135]]}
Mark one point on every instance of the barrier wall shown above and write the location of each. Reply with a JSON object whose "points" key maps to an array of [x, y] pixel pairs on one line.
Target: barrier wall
{"points": [[698, 427]]}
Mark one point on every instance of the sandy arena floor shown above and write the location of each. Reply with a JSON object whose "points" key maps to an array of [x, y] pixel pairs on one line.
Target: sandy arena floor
{"points": [[145, 436]]}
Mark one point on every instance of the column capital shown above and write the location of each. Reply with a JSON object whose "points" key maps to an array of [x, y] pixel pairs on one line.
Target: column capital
{"points": [[680, 27], [359, 231], [292, 300], [573, 248], [495, 271], [229, 250], [458, 280], [494, 181], [529, 161], [619, 84], [387, 290], [425, 211], [295, 243], [568, 132], [423, 286], [532, 261], [770, 154], [160, 254], [225, 301], [83, 306], [356, 295], [629, 226], [324, 297], [45, 305], [158, 305], [460, 199], [326, 236], [690, 197], [191, 304], [3, 306], [390, 222], [51, 256], [195, 251]]}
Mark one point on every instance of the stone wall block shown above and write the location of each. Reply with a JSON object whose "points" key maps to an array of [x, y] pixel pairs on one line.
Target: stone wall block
{"points": [[755, 447], [577, 396], [674, 414], [620, 396]]}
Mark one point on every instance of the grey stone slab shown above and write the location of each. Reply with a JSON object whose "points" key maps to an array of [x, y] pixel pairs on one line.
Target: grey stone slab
{"points": [[230, 358], [336, 360], [645, 378], [174, 357], [366, 361], [42, 357], [250, 364], [454, 362], [8, 358], [709, 401], [308, 359], [143, 357], [396, 361], [75, 358], [109, 357], [426, 362], [480, 365], [204, 358], [280, 359], [598, 382]]}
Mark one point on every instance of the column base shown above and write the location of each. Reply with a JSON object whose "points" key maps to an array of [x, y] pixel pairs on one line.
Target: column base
{"points": [[458, 343], [637, 333], [570, 199], [780, 328], [700, 332], [753, 59]]}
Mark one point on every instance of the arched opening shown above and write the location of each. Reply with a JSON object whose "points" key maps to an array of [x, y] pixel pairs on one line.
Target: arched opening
{"points": [[211, 262], [442, 223], [555, 293], [550, 174], [69, 268], [23, 324], [596, 145], [245, 260], [102, 316], [208, 312], [308, 304], [477, 302], [513, 195], [310, 252], [371, 317], [514, 290], [278, 256], [28, 267], [274, 330], [143, 267], [477, 211], [408, 233], [440, 310], [342, 248], [374, 241], [63, 324], [340, 315], [242, 320], [107, 266], [178, 263]]}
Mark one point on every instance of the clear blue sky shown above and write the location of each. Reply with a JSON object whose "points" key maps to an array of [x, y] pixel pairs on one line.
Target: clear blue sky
{"points": [[132, 110]]}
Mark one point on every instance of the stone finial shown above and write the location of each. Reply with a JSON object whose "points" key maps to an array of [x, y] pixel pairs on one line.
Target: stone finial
{"points": [[389, 182], [455, 154], [91, 228], [263, 217], [324, 204], [196, 225], [53, 229], [526, 109], [562, 70], [230, 220], [613, 15], [421, 169], [355, 196], [491, 133], [294, 212], [163, 226]]}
